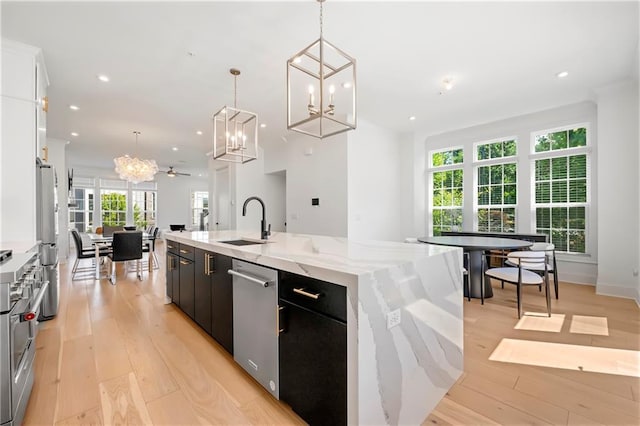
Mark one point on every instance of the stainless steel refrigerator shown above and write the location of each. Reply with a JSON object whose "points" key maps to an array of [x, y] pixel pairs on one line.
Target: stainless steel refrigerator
{"points": [[47, 234]]}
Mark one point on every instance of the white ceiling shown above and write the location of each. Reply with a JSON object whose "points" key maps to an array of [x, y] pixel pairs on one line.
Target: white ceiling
{"points": [[502, 56]]}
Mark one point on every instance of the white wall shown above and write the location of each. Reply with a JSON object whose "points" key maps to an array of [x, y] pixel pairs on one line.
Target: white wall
{"points": [[374, 176], [579, 269], [250, 180], [57, 157], [314, 169], [174, 198], [618, 188]]}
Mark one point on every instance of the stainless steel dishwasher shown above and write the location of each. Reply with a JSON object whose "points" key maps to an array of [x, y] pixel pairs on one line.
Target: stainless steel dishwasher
{"points": [[255, 337]]}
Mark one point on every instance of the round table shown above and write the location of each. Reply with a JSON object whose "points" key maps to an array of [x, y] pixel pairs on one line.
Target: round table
{"points": [[476, 246]]}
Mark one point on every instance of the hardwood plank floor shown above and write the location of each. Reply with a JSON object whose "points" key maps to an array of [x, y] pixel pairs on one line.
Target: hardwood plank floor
{"points": [[120, 355]]}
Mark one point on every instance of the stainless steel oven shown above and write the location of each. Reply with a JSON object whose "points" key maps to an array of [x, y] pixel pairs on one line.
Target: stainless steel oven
{"points": [[21, 292]]}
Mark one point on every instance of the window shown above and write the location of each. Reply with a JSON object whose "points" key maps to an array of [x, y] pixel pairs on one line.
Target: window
{"points": [[446, 200], [497, 187], [144, 198], [81, 205], [561, 188], [113, 202], [199, 205]]}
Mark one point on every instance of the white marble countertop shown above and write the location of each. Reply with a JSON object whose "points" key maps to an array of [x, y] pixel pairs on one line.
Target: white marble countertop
{"points": [[333, 259], [18, 246]]}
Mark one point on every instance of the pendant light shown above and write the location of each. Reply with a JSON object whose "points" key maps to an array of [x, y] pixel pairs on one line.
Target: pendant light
{"points": [[235, 131], [134, 169], [321, 89]]}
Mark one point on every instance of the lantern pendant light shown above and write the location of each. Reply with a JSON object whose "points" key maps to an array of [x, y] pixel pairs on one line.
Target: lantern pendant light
{"points": [[235, 131], [321, 89]]}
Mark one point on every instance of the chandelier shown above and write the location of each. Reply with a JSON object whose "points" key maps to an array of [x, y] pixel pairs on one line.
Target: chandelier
{"points": [[134, 169], [321, 89], [235, 131]]}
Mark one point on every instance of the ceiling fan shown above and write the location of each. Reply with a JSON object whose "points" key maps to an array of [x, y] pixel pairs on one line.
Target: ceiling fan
{"points": [[173, 173]]}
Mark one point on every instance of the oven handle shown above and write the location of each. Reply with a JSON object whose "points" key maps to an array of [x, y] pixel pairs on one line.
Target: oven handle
{"points": [[31, 314]]}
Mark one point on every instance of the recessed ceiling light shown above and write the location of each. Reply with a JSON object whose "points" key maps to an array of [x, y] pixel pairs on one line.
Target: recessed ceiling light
{"points": [[346, 85], [103, 78], [447, 83], [413, 117], [263, 125], [74, 134], [199, 132], [74, 107], [175, 148], [562, 74]]}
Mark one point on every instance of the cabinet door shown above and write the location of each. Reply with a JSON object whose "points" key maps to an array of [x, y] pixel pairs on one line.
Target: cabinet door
{"points": [[172, 263], [313, 365], [222, 302], [202, 288], [187, 295]]}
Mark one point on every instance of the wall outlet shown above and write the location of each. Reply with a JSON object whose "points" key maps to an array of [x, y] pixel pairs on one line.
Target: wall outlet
{"points": [[393, 319]]}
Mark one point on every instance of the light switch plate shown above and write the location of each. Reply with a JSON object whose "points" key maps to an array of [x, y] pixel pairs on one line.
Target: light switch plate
{"points": [[393, 319]]}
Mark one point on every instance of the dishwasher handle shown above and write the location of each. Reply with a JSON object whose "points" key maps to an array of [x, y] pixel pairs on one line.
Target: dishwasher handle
{"points": [[255, 280]]}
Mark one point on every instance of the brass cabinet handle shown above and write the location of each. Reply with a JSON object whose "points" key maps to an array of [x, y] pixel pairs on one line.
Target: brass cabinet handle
{"points": [[278, 328], [307, 294], [169, 246], [185, 262], [170, 263], [207, 264], [45, 104], [211, 270], [184, 251]]}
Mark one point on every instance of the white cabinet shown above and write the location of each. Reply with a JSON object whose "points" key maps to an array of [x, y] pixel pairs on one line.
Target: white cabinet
{"points": [[24, 81]]}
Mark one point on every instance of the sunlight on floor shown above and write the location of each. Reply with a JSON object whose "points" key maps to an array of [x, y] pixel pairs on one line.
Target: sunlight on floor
{"points": [[571, 357], [537, 321], [589, 325]]}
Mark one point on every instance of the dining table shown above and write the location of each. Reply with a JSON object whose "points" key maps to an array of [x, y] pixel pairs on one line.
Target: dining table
{"points": [[476, 246], [100, 241]]}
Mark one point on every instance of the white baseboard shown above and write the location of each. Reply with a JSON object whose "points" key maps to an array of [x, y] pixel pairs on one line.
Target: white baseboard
{"points": [[576, 278], [619, 291]]}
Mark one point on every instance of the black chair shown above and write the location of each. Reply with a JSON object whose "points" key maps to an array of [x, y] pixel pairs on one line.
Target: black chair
{"points": [[84, 253], [150, 246], [126, 246]]}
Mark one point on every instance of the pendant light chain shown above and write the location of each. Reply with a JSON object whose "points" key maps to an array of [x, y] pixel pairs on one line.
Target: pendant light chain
{"points": [[135, 132], [321, 16], [235, 90]]}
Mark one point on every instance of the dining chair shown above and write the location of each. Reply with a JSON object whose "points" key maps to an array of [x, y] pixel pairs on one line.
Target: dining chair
{"points": [[126, 246], [150, 247], [82, 253], [549, 251], [522, 275]]}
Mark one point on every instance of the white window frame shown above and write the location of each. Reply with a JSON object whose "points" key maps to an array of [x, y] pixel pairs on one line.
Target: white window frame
{"points": [[444, 168], [84, 183], [565, 152], [477, 163], [195, 210], [145, 187]]}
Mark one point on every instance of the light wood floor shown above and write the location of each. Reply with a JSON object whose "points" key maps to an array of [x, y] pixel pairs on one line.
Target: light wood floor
{"points": [[119, 355]]}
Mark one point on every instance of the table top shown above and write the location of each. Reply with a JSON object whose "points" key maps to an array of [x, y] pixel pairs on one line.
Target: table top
{"points": [[99, 238], [477, 243]]}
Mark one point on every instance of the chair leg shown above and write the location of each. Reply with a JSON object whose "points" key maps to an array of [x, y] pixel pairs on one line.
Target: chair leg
{"points": [[519, 295], [547, 294], [112, 276], [555, 281], [156, 263], [138, 269], [75, 266], [482, 278]]}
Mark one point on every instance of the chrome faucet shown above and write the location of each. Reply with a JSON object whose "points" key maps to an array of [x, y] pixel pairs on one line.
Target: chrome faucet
{"points": [[264, 232]]}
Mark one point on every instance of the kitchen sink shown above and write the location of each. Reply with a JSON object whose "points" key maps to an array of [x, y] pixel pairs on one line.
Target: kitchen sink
{"points": [[241, 242]]}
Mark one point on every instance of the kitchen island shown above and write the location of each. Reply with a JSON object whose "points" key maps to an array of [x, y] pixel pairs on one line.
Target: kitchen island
{"points": [[404, 317]]}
